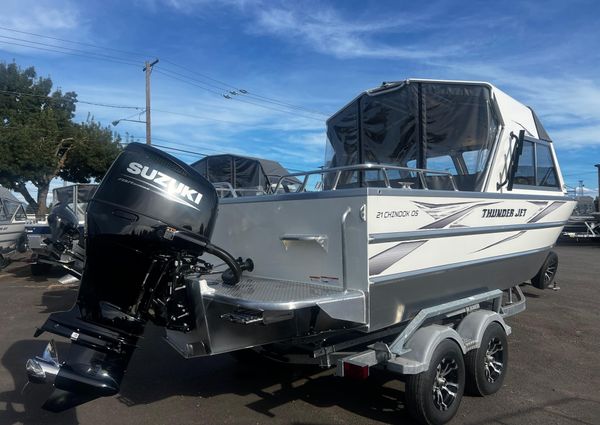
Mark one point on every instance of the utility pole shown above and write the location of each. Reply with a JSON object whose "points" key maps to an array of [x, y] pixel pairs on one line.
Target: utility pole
{"points": [[148, 69]]}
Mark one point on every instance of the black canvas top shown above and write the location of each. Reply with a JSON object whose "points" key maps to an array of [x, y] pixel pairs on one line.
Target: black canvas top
{"points": [[242, 172], [450, 127]]}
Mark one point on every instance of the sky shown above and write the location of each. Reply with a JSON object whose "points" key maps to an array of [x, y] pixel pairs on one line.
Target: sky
{"points": [[291, 64]]}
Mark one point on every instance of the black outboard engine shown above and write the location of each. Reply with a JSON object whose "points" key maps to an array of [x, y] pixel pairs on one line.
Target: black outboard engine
{"points": [[63, 223], [147, 225]]}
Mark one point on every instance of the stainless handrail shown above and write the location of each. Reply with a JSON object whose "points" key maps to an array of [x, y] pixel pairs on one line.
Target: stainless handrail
{"points": [[224, 187], [421, 172]]}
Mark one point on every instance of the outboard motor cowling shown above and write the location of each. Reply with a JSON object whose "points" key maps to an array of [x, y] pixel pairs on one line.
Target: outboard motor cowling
{"points": [[147, 225]]}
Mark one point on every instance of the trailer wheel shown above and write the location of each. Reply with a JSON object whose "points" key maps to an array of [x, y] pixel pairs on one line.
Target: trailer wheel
{"points": [[22, 243], [433, 396], [486, 366], [40, 269], [547, 273], [3, 261]]}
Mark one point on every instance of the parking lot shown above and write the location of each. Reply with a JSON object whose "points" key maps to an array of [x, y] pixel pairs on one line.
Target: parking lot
{"points": [[553, 377]]}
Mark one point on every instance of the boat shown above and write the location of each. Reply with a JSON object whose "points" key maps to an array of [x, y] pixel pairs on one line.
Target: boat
{"points": [[436, 201], [582, 228], [59, 240], [12, 226], [238, 175]]}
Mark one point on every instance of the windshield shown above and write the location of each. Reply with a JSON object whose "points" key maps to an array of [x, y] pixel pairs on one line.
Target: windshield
{"points": [[67, 196]]}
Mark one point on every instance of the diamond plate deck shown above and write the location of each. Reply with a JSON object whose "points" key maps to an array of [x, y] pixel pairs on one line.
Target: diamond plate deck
{"points": [[271, 294]]}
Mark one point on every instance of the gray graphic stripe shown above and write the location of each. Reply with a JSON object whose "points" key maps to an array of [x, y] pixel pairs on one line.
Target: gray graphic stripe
{"points": [[543, 213], [438, 224], [393, 278], [429, 205], [375, 238], [515, 236], [385, 259]]}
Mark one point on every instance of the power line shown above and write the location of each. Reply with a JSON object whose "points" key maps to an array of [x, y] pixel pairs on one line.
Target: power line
{"points": [[216, 151], [234, 98], [91, 56], [100, 55], [238, 91], [238, 94], [580, 174], [106, 105], [171, 148], [96, 46], [138, 108], [126, 62]]}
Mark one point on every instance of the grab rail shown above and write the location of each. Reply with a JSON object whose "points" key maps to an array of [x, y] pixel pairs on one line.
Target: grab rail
{"points": [[421, 172], [225, 188]]}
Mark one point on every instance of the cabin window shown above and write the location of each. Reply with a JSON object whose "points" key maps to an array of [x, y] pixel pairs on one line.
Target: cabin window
{"points": [[20, 215], [15, 209], [545, 170], [442, 163], [525, 174], [3, 216], [459, 122], [475, 160], [536, 166]]}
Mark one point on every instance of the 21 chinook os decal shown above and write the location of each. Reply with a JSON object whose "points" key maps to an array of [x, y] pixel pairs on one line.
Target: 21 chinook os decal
{"points": [[171, 185]]}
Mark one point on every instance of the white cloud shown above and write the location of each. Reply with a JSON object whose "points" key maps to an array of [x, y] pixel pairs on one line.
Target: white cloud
{"points": [[39, 15], [568, 106], [578, 137], [326, 31], [58, 18]]}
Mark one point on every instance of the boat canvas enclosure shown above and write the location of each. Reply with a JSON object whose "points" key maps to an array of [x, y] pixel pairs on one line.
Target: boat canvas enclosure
{"points": [[426, 125], [12, 226], [243, 175]]}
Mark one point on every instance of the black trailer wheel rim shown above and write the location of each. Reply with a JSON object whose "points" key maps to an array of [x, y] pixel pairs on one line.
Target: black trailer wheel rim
{"points": [[550, 270], [494, 360], [445, 384]]}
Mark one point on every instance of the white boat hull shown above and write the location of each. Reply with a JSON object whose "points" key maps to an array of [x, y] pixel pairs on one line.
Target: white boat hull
{"points": [[404, 251]]}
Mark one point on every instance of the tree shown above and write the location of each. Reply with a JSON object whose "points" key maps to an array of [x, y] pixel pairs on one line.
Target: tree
{"points": [[39, 140]]}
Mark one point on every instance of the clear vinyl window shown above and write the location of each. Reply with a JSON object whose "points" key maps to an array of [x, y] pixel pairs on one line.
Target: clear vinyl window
{"points": [[545, 169], [536, 165], [3, 216], [14, 209], [525, 174]]}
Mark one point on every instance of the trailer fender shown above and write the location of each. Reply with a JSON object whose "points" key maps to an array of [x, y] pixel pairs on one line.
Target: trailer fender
{"points": [[422, 345], [472, 327]]}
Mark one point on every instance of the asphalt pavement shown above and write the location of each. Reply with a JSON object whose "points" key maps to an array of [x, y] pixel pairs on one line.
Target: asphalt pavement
{"points": [[553, 376]]}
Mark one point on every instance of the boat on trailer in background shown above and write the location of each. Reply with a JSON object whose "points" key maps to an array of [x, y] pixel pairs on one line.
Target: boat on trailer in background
{"points": [[59, 241], [438, 198], [235, 175], [12, 227]]}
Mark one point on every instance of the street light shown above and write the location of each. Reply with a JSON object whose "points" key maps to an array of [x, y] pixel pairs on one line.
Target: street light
{"points": [[116, 122]]}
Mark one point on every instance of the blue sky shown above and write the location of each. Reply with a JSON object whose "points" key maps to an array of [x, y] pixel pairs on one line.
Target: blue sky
{"points": [[314, 54]]}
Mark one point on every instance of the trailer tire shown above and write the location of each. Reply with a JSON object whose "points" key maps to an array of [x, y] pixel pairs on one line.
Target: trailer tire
{"points": [[22, 243], [547, 273], [4, 261], [487, 365], [40, 269], [433, 396]]}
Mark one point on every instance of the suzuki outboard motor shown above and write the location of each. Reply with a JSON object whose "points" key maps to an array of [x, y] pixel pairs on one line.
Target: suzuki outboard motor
{"points": [[147, 226]]}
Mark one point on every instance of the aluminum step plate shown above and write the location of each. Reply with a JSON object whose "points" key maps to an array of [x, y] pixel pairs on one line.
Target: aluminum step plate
{"points": [[271, 294]]}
